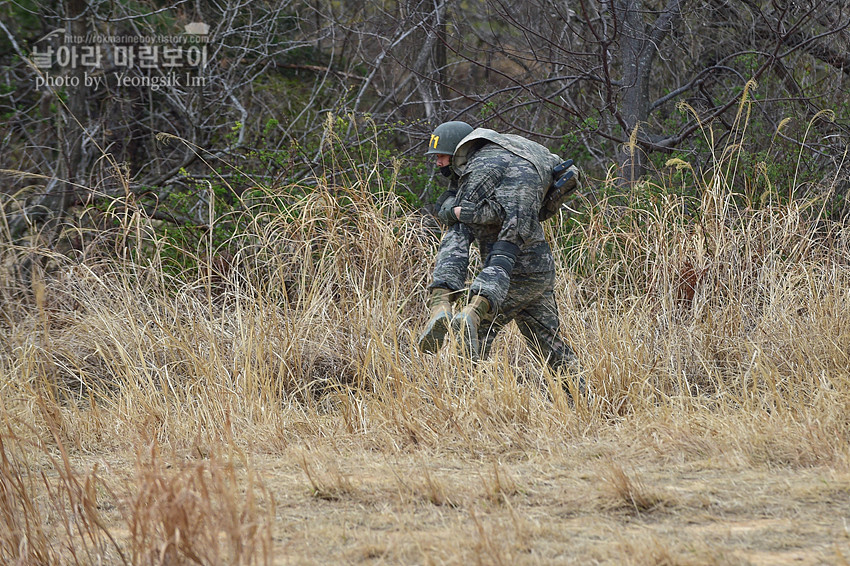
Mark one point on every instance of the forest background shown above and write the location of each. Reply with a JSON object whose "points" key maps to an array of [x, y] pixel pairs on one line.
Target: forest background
{"points": [[626, 84], [214, 245]]}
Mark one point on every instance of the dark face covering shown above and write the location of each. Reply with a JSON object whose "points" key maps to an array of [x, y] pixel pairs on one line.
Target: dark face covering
{"points": [[446, 171]]}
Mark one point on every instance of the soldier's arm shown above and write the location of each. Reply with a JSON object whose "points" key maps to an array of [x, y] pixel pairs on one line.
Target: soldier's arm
{"points": [[519, 203], [487, 212], [494, 279], [476, 202]]}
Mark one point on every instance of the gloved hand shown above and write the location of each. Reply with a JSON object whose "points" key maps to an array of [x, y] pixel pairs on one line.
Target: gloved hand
{"points": [[446, 213], [560, 191]]}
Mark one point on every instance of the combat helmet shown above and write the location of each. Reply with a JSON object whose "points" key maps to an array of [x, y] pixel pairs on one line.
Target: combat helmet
{"points": [[446, 136]]}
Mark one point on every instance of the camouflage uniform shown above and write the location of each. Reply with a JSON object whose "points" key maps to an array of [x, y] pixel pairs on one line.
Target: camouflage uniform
{"points": [[501, 183]]}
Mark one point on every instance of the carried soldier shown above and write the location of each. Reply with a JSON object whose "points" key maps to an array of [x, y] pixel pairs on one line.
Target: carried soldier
{"points": [[501, 187]]}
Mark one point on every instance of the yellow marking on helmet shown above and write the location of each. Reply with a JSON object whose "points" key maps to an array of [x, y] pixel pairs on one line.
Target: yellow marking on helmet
{"points": [[434, 140]]}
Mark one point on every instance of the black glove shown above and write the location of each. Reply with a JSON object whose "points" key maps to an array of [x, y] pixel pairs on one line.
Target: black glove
{"points": [[502, 254], [560, 191], [446, 203]]}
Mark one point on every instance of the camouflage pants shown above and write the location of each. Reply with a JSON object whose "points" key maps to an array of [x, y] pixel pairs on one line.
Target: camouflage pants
{"points": [[531, 303]]}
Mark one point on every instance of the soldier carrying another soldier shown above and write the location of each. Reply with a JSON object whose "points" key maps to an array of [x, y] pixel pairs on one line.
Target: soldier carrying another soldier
{"points": [[501, 187]]}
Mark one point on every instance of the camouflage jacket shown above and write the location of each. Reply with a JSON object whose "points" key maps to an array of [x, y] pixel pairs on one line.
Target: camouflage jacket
{"points": [[502, 182]]}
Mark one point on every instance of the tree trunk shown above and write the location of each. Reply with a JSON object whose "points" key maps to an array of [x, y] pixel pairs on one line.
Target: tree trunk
{"points": [[440, 58], [77, 117], [639, 46], [58, 195], [637, 58]]}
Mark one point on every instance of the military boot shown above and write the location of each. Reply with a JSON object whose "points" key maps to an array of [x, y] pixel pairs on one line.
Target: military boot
{"points": [[440, 304], [465, 326]]}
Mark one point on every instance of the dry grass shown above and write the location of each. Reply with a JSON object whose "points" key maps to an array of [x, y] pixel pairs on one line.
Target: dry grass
{"points": [[270, 406]]}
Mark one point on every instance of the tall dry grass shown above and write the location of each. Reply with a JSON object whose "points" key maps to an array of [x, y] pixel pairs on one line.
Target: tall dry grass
{"points": [[703, 325]]}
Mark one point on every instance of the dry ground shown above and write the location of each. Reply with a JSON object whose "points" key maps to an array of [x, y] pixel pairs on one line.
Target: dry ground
{"points": [[674, 491], [432, 508]]}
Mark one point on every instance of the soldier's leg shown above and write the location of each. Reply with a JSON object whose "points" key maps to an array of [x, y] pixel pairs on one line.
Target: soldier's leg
{"points": [[540, 325], [452, 259], [466, 326], [448, 278], [439, 318], [522, 292]]}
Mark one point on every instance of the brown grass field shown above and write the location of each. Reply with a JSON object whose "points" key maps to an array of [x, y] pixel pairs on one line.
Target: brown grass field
{"points": [[268, 404]]}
